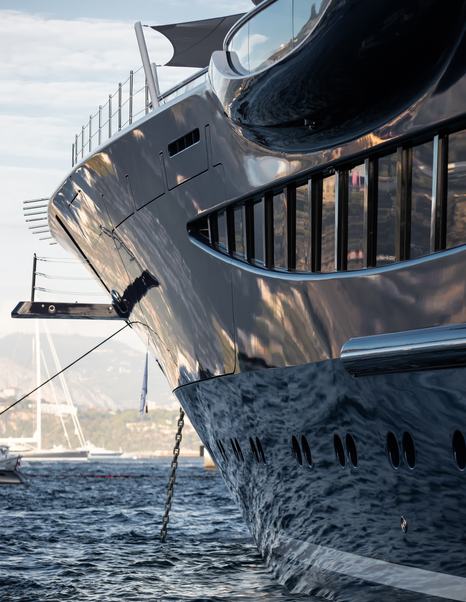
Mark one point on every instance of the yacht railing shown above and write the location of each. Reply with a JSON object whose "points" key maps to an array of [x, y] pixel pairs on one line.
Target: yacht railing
{"points": [[128, 103]]}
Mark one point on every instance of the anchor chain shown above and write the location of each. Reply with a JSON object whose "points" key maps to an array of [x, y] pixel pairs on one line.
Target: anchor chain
{"points": [[172, 479]]}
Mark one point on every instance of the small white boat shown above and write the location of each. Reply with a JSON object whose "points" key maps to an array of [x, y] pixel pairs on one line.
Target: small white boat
{"points": [[9, 468], [100, 453]]}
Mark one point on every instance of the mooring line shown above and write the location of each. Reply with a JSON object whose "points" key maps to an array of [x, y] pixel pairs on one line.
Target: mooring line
{"points": [[78, 359]]}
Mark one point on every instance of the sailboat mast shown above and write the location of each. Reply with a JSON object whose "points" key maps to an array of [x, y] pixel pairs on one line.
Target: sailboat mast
{"points": [[38, 434]]}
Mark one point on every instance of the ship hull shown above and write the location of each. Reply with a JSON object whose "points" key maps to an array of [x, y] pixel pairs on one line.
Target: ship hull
{"points": [[253, 349], [328, 528]]}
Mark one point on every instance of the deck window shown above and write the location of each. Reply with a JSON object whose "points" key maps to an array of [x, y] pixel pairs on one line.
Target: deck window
{"points": [[421, 200], [386, 211], [280, 231], [222, 230], [456, 190], [327, 260], [238, 219], [306, 14], [356, 222], [273, 32], [258, 211], [303, 229], [270, 35]]}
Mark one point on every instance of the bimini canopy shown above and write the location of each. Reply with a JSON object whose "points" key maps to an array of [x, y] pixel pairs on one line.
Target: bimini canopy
{"points": [[194, 41]]}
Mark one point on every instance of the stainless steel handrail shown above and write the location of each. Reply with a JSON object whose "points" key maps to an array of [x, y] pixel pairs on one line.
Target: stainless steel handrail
{"points": [[104, 129], [185, 82]]}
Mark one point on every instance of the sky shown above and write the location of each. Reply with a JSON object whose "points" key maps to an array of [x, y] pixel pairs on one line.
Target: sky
{"points": [[60, 60]]}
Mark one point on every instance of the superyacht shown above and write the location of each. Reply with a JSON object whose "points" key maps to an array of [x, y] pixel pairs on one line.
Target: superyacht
{"points": [[287, 227]]}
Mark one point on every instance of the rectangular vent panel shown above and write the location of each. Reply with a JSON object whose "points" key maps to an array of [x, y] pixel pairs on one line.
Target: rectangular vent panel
{"points": [[184, 142]]}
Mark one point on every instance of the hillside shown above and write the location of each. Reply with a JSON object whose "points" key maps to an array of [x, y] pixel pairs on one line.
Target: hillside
{"points": [[110, 378]]}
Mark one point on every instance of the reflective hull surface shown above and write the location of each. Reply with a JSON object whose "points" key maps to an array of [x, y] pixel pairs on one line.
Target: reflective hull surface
{"points": [[254, 354]]}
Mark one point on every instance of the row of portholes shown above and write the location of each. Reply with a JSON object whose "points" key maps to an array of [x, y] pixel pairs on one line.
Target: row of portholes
{"points": [[346, 450], [256, 449], [301, 450], [407, 451]]}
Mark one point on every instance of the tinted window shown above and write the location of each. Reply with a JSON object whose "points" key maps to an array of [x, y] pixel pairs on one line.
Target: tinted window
{"points": [[270, 34], [280, 250], [238, 217], [421, 200], [239, 48], [456, 199], [303, 229], [356, 222], [222, 230], [328, 225], [386, 211], [259, 232], [306, 15]]}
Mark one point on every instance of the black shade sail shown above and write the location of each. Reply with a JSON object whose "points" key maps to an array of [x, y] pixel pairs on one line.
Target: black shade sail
{"points": [[194, 41]]}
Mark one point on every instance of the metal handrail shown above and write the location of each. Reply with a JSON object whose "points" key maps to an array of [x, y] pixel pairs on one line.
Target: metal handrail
{"points": [[109, 119]]}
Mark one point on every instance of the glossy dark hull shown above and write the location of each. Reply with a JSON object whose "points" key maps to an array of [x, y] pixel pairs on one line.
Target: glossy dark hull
{"points": [[256, 353], [331, 529]]}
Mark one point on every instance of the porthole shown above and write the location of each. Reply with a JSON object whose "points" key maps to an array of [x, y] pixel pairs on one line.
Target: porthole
{"points": [[254, 449], [339, 450], [459, 449], [393, 450], [260, 450], [240, 452], [306, 450], [409, 450], [296, 450], [352, 450]]}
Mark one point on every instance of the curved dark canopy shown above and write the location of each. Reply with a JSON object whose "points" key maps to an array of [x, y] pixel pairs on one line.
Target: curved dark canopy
{"points": [[194, 41]]}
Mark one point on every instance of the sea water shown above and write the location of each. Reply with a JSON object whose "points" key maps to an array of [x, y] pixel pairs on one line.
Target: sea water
{"points": [[90, 532]]}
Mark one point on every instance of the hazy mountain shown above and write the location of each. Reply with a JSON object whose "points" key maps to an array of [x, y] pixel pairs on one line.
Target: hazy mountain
{"points": [[109, 378]]}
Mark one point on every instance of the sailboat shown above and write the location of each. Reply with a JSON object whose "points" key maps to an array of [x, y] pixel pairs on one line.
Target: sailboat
{"points": [[31, 449]]}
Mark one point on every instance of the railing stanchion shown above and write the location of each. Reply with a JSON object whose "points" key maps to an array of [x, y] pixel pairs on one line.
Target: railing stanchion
{"points": [[72, 154], [100, 125], [119, 106], [90, 133], [130, 100], [109, 115], [76, 149], [148, 69], [146, 98], [82, 142], [33, 283]]}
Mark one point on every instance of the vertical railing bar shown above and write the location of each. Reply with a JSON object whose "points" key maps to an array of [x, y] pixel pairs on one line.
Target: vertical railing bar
{"points": [[82, 142], [439, 194], [370, 211], [72, 154], [230, 230], [131, 90], [100, 125], [76, 149], [90, 133], [146, 97], [119, 105], [33, 283], [109, 115]]}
